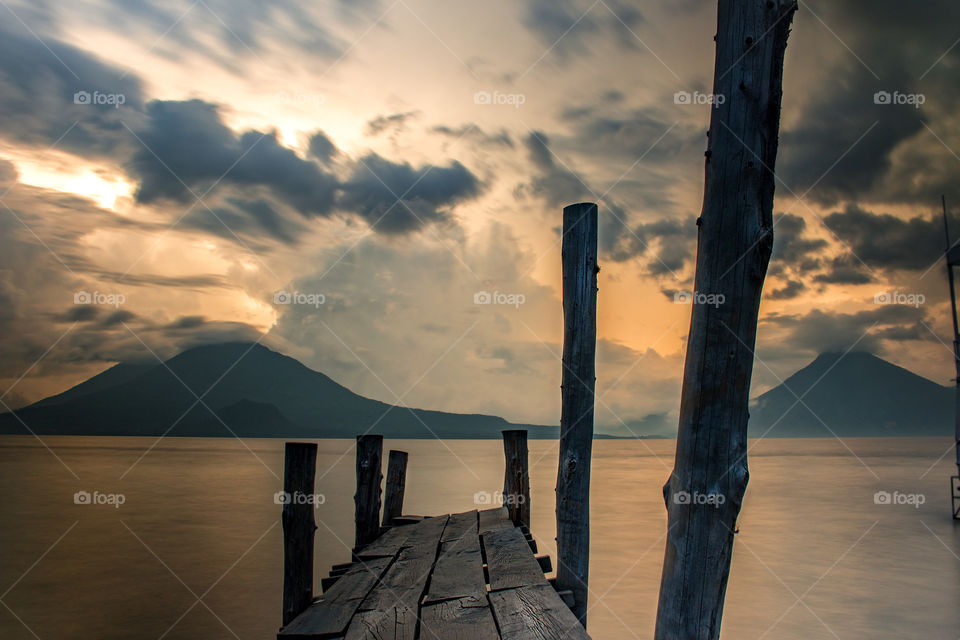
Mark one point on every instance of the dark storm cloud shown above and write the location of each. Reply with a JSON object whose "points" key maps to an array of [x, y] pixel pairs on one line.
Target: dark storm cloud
{"points": [[476, 134], [789, 242], [248, 217], [395, 122], [564, 25], [555, 183], [790, 290], [322, 147], [844, 269], [887, 242], [39, 83], [187, 148], [8, 172], [841, 107], [821, 331], [425, 194]]}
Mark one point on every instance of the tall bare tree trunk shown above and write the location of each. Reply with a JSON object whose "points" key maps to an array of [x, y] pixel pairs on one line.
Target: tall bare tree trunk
{"points": [[705, 491]]}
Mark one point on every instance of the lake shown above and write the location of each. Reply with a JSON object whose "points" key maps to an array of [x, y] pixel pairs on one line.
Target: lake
{"points": [[181, 538]]}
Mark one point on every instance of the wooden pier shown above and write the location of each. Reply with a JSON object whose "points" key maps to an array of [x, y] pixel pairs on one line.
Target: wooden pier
{"points": [[467, 576]]}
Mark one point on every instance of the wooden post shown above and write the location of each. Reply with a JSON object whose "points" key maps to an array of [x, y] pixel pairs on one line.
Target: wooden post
{"points": [[705, 491], [367, 498], [580, 268], [516, 476], [396, 483], [299, 473]]}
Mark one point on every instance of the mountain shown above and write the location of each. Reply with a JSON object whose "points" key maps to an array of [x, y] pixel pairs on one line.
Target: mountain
{"points": [[247, 390], [857, 394]]}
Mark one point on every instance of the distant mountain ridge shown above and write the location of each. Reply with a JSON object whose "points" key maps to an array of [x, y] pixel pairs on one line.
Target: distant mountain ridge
{"points": [[252, 392], [853, 394]]}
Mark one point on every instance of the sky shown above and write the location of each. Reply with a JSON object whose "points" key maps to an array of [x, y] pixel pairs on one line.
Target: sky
{"points": [[343, 181]]}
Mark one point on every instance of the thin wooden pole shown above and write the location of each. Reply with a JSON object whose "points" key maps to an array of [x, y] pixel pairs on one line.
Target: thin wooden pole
{"points": [[367, 498], [580, 268], [299, 473], [516, 476], [705, 491], [396, 484]]}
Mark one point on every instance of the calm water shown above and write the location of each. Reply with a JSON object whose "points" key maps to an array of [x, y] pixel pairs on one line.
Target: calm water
{"points": [[194, 551]]}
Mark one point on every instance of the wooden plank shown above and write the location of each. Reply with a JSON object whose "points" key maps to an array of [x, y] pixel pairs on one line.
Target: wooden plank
{"points": [[299, 471], [509, 561], [386, 545], [396, 484], [330, 615], [516, 476], [460, 619], [494, 520], [367, 498], [458, 572], [535, 613], [390, 611], [460, 525]]}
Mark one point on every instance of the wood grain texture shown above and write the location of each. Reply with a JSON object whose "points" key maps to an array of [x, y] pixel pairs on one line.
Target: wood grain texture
{"points": [[367, 498], [516, 476], [396, 486], [509, 561], [535, 613], [735, 240], [299, 473], [330, 615], [580, 269], [460, 619]]}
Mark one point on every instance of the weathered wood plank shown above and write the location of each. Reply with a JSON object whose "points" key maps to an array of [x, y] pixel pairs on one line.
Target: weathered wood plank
{"points": [[509, 561], [535, 613], [460, 619], [396, 485], [461, 525], [580, 269], [494, 520], [391, 610], [330, 615], [516, 476], [386, 545], [458, 572], [299, 472], [367, 498]]}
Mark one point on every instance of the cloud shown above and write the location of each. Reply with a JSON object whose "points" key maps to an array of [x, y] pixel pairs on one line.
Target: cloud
{"points": [[564, 25], [322, 147], [885, 241], [790, 290], [188, 150], [395, 122], [844, 269], [40, 81], [476, 134], [398, 198], [789, 242]]}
